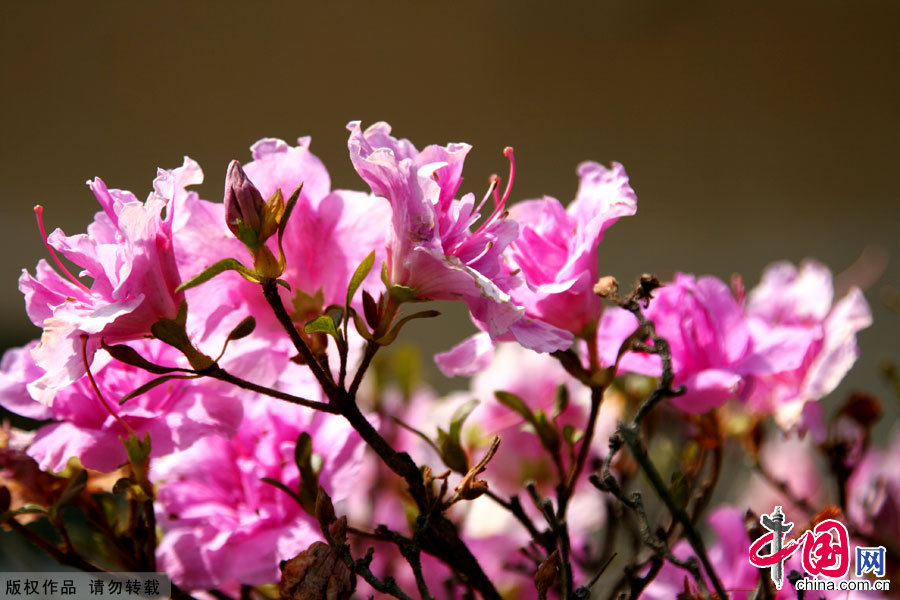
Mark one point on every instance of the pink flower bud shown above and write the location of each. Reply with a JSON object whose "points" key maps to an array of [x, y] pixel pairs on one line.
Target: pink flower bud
{"points": [[244, 204]]}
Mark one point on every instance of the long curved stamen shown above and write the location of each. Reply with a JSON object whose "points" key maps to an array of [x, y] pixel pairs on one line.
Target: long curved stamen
{"points": [[84, 340], [508, 153], [492, 191], [39, 213]]}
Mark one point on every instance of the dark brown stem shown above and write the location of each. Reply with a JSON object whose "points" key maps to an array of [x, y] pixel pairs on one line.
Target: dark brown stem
{"points": [[270, 291], [217, 372], [631, 438]]}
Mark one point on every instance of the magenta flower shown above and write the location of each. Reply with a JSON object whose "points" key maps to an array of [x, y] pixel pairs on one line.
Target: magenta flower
{"points": [[175, 414], [128, 254], [327, 236], [431, 247], [799, 302], [713, 351], [225, 526], [556, 251]]}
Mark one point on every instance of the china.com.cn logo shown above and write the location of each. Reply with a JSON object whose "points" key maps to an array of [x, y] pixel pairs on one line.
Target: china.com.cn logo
{"points": [[825, 550]]}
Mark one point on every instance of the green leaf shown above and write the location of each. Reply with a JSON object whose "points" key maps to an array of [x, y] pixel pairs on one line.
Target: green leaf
{"points": [[546, 431], [571, 435], [384, 275], [515, 403], [243, 329], [138, 451], [171, 331], [75, 486], [412, 429], [152, 384], [562, 400], [359, 275], [303, 454], [321, 324], [288, 209], [402, 293], [283, 488], [360, 326], [130, 356], [459, 417], [452, 453], [390, 336], [226, 264]]}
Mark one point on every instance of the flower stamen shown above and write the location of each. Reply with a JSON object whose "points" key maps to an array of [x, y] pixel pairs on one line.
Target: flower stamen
{"points": [[39, 213]]}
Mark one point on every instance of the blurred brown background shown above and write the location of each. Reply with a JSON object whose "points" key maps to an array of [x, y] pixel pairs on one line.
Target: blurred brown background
{"points": [[751, 131]]}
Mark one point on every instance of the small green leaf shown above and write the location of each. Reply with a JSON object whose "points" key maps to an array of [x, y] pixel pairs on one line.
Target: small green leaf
{"points": [[172, 332], [288, 209], [75, 486], [515, 403], [130, 356], [384, 275], [303, 453], [226, 264], [402, 293], [138, 451], [459, 417], [152, 384], [452, 453], [321, 324], [283, 488], [359, 275], [283, 284], [361, 326], [243, 329], [546, 431], [390, 336], [562, 400], [571, 435]]}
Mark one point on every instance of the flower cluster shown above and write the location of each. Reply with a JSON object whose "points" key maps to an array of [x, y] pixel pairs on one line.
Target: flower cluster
{"points": [[211, 355]]}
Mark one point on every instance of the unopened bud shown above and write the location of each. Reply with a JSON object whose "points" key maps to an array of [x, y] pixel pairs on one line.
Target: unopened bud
{"points": [[547, 573], [606, 287], [244, 205]]}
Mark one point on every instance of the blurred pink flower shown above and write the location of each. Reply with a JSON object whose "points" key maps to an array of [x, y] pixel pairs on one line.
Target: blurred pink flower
{"points": [[873, 491], [223, 525], [798, 303], [713, 350]]}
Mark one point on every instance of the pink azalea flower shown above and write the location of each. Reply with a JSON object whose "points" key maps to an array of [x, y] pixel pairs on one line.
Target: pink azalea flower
{"points": [[715, 353], [556, 251], [175, 414], [431, 246], [225, 526], [127, 252], [327, 236], [799, 301]]}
